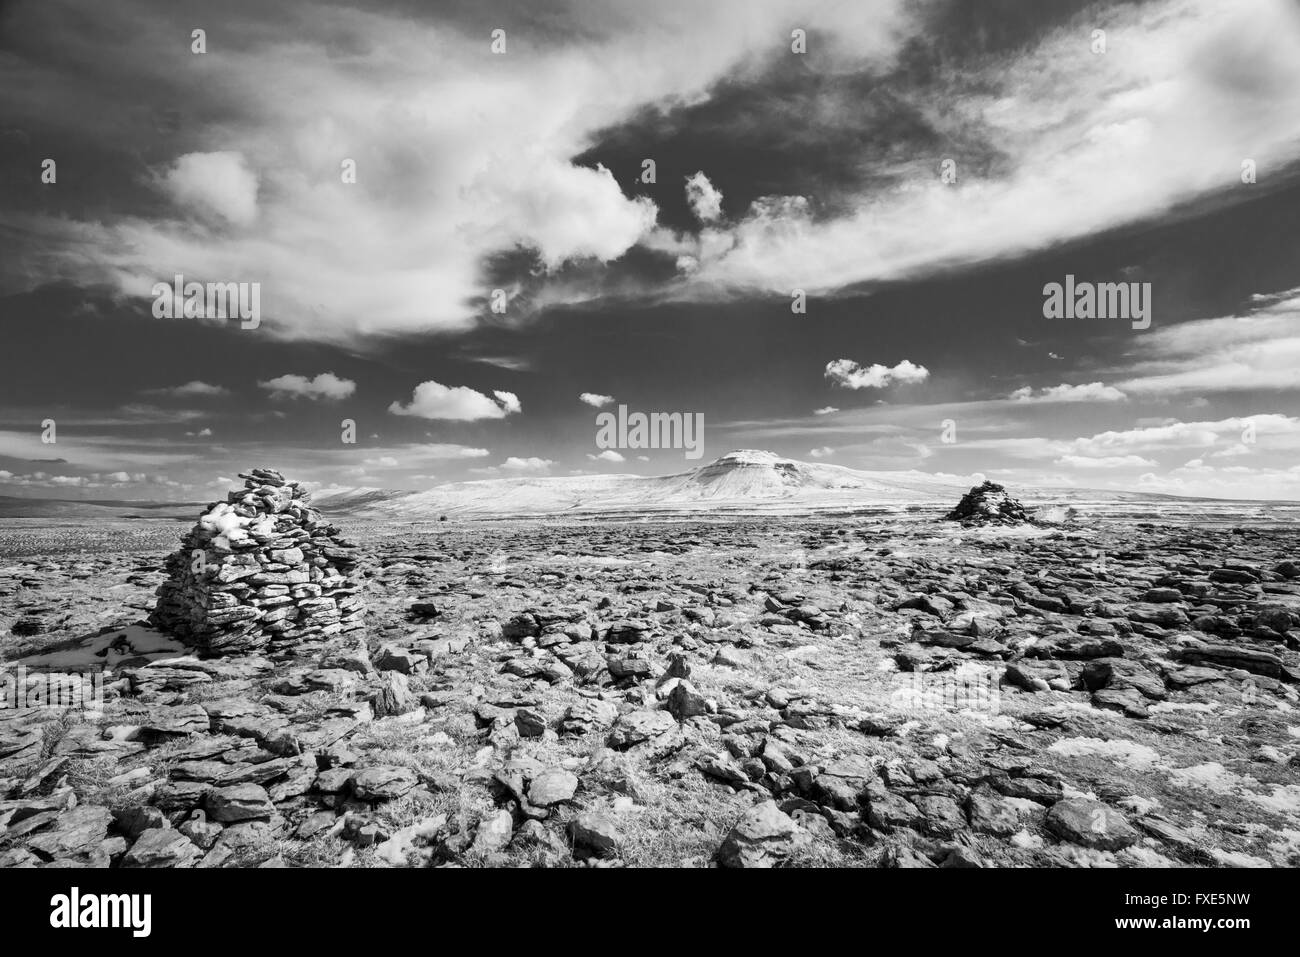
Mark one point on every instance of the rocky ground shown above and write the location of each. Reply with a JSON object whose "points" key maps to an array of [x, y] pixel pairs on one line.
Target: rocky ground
{"points": [[867, 692]]}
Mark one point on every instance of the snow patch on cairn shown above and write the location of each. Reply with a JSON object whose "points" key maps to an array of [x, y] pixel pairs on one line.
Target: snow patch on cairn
{"points": [[258, 568], [988, 504]]}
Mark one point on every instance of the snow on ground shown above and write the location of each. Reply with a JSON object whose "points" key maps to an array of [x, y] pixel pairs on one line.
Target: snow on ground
{"points": [[1284, 798], [1237, 859], [1212, 776], [1130, 753]]}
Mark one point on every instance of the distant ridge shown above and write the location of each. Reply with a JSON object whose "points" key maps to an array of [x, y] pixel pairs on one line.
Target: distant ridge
{"points": [[742, 480], [12, 506]]}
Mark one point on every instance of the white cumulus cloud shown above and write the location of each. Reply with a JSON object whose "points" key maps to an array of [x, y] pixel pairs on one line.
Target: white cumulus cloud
{"points": [[851, 375], [531, 464], [433, 400], [704, 198]]}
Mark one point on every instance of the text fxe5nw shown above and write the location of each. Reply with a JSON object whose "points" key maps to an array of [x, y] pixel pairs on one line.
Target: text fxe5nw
{"points": [[75, 909], [1098, 300], [654, 430], [214, 300], [21, 688]]}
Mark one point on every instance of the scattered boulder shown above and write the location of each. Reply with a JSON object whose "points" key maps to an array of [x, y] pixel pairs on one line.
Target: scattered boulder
{"points": [[75, 833], [638, 726], [494, 832], [594, 834], [1236, 656], [383, 783], [241, 802], [551, 787], [764, 837], [1091, 824], [162, 847]]}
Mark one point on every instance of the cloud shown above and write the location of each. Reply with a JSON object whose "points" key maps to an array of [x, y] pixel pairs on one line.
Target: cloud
{"points": [[433, 400], [703, 198], [1237, 482], [1232, 452], [324, 386], [1222, 355], [1187, 435], [418, 455], [1051, 141], [564, 212], [459, 155], [532, 464], [509, 402], [849, 375], [441, 450], [1085, 143], [609, 455], [595, 399], [1092, 392], [192, 389], [825, 410], [100, 452], [822, 452], [94, 480], [513, 363], [217, 185], [1105, 462], [1270, 430]]}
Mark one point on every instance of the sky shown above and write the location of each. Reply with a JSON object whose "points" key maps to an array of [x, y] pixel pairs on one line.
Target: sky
{"points": [[830, 228]]}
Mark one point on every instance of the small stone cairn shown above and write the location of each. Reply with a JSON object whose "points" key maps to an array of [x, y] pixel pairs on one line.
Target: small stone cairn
{"points": [[260, 570], [988, 504]]}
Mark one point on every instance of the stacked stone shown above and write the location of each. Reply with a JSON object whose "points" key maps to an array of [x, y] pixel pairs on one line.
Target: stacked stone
{"points": [[259, 569], [988, 504]]}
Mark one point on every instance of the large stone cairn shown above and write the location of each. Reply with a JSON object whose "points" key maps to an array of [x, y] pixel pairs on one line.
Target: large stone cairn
{"points": [[259, 569], [988, 504]]}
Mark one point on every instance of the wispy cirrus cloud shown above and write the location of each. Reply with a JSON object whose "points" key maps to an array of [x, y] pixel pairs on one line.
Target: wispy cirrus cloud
{"points": [[1091, 392], [1185, 93], [324, 386], [192, 389], [1245, 353]]}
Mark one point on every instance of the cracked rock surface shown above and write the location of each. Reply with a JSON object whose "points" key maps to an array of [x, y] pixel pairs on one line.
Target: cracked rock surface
{"points": [[887, 691]]}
